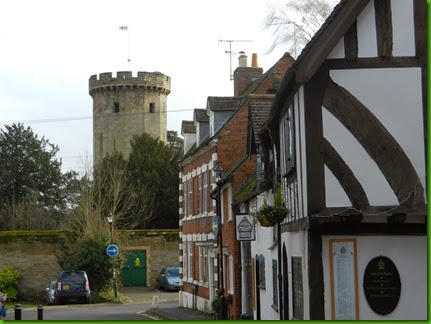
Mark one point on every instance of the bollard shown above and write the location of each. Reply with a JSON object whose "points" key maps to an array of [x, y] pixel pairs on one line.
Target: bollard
{"points": [[155, 303], [18, 312], [40, 312]]}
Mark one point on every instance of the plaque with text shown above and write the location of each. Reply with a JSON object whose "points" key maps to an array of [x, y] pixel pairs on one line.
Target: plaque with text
{"points": [[382, 285], [344, 283]]}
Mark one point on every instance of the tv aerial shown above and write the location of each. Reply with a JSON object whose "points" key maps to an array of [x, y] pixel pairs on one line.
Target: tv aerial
{"points": [[230, 41]]}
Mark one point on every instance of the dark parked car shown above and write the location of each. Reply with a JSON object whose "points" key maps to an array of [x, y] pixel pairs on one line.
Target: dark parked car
{"points": [[73, 286], [169, 279], [51, 293]]}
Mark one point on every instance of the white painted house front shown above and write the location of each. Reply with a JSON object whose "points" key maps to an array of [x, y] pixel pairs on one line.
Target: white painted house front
{"points": [[346, 140]]}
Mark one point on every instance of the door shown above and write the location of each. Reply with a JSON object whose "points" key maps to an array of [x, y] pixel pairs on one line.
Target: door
{"points": [[134, 272]]}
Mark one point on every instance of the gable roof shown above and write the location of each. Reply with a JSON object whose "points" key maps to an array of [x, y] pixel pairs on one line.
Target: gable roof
{"points": [[187, 126], [223, 103], [200, 116], [317, 50]]}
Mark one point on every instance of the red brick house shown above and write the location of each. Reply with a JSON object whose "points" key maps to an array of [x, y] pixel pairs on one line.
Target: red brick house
{"points": [[226, 143]]}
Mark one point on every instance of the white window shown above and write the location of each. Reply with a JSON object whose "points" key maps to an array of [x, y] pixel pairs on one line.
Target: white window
{"points": [[190, 199], [190, 260], [205, 192], [199, 196], [205, 264], [229, 204], [231, 268], [185, 260], [185, 212], [201, 276]]}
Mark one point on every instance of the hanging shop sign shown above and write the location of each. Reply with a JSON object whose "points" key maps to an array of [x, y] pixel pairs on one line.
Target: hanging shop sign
{"points": [[244, 228], [382, 285]]}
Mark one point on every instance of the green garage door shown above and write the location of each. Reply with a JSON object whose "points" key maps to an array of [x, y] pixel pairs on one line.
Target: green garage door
{"points": [[134, 272]]}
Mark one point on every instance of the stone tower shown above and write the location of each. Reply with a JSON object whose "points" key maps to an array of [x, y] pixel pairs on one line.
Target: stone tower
{"points": [[124, 106]]}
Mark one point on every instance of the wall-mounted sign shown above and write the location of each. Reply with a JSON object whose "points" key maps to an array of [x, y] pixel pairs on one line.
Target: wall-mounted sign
{"points": [[344, 279], [244, 228], [382, 285], [216, 225]]}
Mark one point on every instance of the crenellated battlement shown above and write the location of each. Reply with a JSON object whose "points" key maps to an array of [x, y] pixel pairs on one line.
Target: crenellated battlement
{"points": [[149, 80]]}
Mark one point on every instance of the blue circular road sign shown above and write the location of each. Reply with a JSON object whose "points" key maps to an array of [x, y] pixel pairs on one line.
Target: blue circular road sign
{"points": [[112, 250]]}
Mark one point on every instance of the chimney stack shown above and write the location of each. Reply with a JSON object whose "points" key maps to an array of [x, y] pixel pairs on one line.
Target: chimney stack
{"points": [[244, 75], [242, 59], [254, 60]]}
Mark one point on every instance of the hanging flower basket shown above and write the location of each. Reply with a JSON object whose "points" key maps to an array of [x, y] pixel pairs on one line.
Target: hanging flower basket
{"points": [[269, 216]]}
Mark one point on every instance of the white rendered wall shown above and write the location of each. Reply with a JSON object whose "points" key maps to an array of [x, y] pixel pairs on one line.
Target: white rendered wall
{"points": [[394, 96], [367, 172], [297, 246], [262, 245], [338, 50], [334, 193], [409, 254], [367, 39], [403, 28], [301, 156]]}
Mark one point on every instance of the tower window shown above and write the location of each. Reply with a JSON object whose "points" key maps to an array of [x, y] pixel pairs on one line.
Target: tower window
{"points": [[116, 107], [100, 143], [152, 107]]}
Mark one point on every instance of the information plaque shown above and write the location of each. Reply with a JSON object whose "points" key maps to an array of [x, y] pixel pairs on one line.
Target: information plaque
{"points": [[382, 285], [344, 283]]}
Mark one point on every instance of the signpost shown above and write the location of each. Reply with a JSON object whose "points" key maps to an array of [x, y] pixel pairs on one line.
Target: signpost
{"points": [[112, 250]]}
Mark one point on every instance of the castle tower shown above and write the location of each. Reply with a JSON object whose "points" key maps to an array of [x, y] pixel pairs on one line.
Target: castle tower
{"points": [[125, 106]]}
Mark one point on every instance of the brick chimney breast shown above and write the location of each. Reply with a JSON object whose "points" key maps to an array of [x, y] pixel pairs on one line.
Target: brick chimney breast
{"points": [[244, 76]]}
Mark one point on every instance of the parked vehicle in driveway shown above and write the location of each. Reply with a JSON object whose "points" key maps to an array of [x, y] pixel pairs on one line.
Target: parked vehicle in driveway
{"points": [[73, 286], [51, 293], [169, 279]]}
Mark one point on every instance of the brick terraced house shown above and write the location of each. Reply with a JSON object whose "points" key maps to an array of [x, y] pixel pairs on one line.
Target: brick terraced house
{"points": [[221, 138]]}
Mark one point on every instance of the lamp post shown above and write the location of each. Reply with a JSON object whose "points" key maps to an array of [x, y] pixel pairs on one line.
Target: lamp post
{"points": [[110, 219], [218, 170]]}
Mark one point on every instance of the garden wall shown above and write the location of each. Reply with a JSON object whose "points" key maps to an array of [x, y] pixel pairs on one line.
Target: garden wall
{"points": [[33, 254]]}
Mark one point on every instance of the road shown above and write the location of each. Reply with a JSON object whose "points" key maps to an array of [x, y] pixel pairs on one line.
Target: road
{"points": [[140, 302]]}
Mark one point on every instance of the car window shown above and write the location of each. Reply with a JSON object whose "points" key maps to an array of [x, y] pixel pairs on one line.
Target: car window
{"points": [[53, 285], [175, 272], [73, 280]]}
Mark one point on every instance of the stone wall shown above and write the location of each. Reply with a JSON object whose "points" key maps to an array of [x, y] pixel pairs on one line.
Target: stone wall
{"points": [[33, 254]]}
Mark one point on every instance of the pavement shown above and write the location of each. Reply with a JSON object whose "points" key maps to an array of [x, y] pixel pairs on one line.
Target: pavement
{"points": [[164, 305]]}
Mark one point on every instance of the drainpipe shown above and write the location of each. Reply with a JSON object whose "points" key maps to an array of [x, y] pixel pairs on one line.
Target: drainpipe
{"points": [[280, 277]]}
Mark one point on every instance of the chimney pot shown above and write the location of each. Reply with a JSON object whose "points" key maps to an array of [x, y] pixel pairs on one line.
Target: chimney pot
{"points": [[242, 59], [254, 60]]}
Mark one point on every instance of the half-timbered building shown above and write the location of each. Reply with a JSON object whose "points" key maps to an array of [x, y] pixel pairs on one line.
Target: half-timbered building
{"points": [[347, 141]]}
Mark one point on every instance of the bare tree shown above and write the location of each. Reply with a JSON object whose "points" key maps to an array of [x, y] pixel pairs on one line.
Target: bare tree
{"points": [[295, 23]]}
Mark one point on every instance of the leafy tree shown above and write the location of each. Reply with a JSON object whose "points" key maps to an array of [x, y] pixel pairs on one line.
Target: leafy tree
{"points": [[153, 172], [295, 23], [9, 280], [89, 254], [32, 187]]}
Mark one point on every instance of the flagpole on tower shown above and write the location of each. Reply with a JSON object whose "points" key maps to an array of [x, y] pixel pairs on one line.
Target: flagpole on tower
{"points": [[126, 28]]}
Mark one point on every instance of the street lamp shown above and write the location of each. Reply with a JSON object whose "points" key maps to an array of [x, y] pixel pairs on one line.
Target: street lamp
{"points": [[218, 171], [110, 219]]}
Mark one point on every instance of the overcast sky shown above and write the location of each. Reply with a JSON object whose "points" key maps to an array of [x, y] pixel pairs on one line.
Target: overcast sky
{"points": [[49, 49]]}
